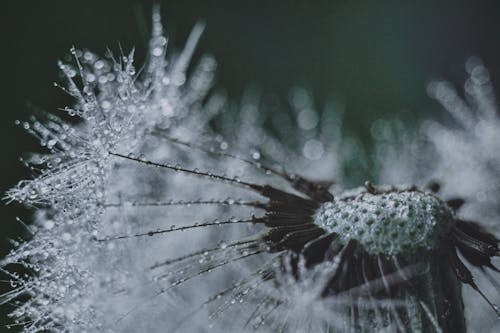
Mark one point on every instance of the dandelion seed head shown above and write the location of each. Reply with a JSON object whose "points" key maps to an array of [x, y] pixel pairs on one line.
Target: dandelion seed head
{"points": [[391, 223], [166, 208]]}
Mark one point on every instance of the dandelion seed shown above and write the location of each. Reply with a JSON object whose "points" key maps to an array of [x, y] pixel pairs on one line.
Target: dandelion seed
{"points": [[149, 219]]}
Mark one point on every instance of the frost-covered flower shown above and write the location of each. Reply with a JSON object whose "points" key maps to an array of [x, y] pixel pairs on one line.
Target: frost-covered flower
{"points": [[165, 210]]}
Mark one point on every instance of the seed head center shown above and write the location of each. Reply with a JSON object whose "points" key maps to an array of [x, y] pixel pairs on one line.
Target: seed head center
{"points": [[391, 223]]}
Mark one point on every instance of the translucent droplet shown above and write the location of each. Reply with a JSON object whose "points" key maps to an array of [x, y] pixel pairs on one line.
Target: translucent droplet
{"points": [[157, 51]]}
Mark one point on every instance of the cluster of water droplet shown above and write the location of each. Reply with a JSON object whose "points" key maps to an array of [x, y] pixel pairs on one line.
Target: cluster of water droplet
{"points": [[116, 109], [398, 222]]}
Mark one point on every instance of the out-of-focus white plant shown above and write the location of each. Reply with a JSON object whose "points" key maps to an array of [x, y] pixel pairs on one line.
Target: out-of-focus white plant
{"points": [[468, 151], [165, 209]]}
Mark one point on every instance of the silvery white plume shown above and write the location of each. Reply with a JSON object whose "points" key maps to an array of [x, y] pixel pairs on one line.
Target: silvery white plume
{"points": [[163, 207]]}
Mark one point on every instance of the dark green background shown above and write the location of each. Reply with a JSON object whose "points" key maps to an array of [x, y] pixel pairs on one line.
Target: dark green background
{"points": [[374, 56]]}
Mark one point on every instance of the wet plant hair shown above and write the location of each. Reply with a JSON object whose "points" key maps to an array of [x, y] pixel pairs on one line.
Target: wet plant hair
{"points": [[377, 243], [165, 210]]}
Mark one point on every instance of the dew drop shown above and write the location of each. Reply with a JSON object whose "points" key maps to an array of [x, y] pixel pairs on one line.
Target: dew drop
{"points": [[157, 51]]}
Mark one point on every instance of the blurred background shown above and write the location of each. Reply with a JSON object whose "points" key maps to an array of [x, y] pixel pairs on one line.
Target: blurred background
{"points": [[374, 58]]}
